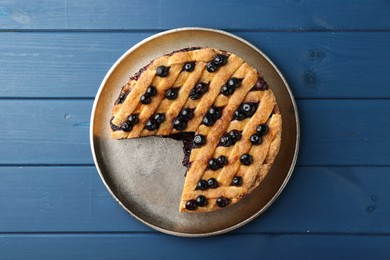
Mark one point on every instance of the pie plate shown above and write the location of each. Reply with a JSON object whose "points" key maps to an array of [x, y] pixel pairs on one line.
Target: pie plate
{"points": [[145, 175]]}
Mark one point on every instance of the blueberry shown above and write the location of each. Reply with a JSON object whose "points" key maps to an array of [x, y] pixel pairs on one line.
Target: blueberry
{"points": [[187, 114], [226, 140], [179, 124], [255, 139], [162, 71], [237, 181], [211, 67], [233, 83], [151, 125], [202, 185], [222, 160], [172, 93], [238, 115], [159, 118], [246, 159], [220, 60], [215, 113], [223, 202], [260, 85], [132, 119], [226, 91], [201, 87], [151, 91], [194, 95], [191, 205], [199, 140], [201, 201], [262, 129], [126, 127], [213, 164], [212, 183], [248, 109], [145, 99], [208, 121], [189, 66], [235, 135]]}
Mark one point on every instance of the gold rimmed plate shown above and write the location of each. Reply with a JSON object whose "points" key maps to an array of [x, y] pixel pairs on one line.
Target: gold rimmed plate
{"points": [[145, 175]]}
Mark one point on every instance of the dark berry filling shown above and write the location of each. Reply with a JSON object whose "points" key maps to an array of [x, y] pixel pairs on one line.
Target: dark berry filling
{"points": [[155, 121], [162, 71], [186, 114], [220, 60], [145, 99], [211, 67], [114, 127], [122, 97], [237, 181], [246, 159], [222, 160], [189, 66], [256, 139], [202, 185], [172, 93], [214, 164], [208, 121], [199, 90], [262, 129], [159, 118], [212, 183], [236, 135], [133, 119], [212, 115], [238, 115], [226, 140], [201, 201], [248, 109], [151, 125], [151, 91], [126, 127], [199, 140], [179, 124], [260, 85], [223, 202], [231, 85], [191, 205]]}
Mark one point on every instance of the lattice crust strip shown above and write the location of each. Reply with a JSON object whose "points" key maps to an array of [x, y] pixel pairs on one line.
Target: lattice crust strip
{"points": [[214, 75]]}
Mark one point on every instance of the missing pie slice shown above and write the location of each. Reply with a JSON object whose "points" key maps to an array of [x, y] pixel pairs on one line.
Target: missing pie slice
{"points": [[221, 108]]}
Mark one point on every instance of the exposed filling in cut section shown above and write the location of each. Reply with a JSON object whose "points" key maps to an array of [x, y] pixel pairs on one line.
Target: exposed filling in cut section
{"points": [[222, 110]]}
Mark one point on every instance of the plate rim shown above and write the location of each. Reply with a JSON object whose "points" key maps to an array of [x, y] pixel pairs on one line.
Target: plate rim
{"points": [[293, 162]]}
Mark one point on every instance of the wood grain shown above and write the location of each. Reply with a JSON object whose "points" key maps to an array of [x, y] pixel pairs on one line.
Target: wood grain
{"points": [[348, 200], [148, 14], [141, 246], [334, 132], [316, 64]]}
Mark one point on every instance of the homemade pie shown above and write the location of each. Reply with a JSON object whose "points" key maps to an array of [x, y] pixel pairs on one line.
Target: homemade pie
{"points": [[221, 108]]}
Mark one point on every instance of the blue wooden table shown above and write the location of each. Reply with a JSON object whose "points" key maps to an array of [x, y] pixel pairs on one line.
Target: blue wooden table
{"points": [[335, 56]]}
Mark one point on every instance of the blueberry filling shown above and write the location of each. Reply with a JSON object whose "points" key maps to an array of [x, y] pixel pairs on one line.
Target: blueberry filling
{"points": [[212, 183], [199, 90], [126, 127], [220, 60], [199, 140], [212, 115], [151, 91], [223, 202], [222, 160], [162, 71], [260, 85], [189, 66], [246, 110], [179, 124], [201, 201], [256, 139], [172, 93], [114, 127], [231, 85], [122, 97], [236, 135], [145, 99], [246, 159], [133, 119], [226, 140], [262, 129], [214, 164], [191, 205], [208, 121], [202, 185], [237, 181], [211, 67], [154, 122]]}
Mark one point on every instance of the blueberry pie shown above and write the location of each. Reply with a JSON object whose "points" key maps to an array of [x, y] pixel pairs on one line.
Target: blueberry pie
{"points": [[220, 107]]}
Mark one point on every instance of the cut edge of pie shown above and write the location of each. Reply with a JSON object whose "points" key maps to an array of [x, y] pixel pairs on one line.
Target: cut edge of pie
{"points": [[223, 110]]}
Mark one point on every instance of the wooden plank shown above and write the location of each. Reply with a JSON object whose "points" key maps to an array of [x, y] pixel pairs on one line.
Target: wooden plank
{"points": [[347, 200], [334, 132], [317, 65], [148, 14], [140, 246]]}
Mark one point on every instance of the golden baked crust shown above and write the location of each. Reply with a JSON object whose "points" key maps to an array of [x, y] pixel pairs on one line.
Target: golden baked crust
{"points": [[249, 106]]}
